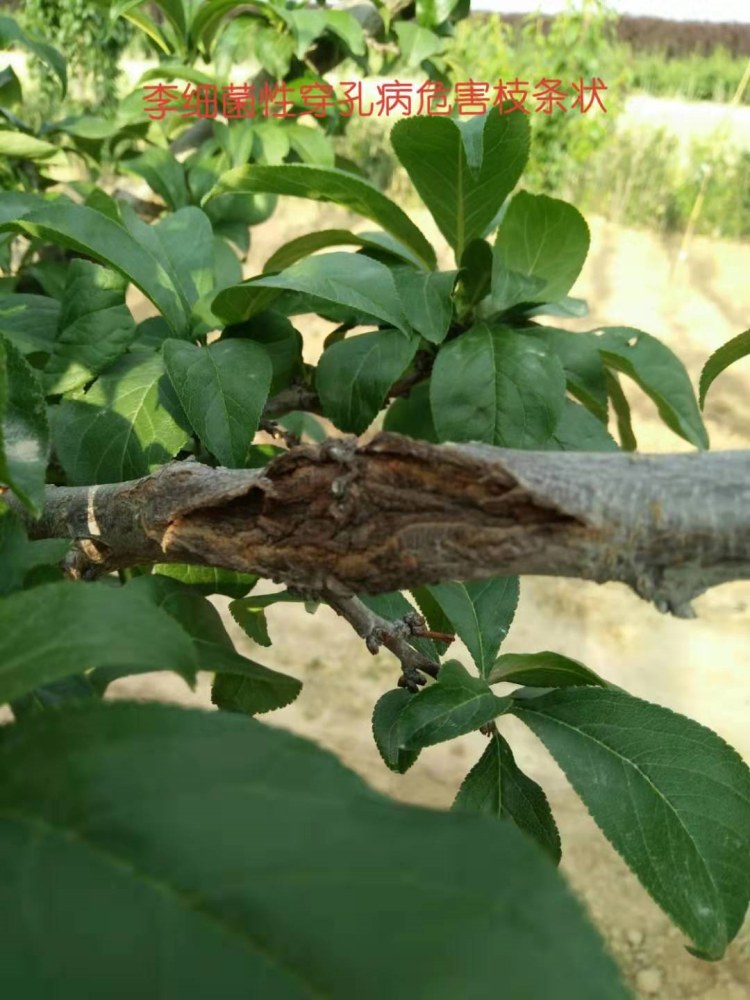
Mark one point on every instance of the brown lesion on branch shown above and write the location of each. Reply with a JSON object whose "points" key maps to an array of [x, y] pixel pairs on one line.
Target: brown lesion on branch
{"points": [[344, 518]]}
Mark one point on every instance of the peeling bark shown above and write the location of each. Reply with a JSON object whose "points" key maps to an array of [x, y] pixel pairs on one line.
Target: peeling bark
{"points": [[342, 518]]}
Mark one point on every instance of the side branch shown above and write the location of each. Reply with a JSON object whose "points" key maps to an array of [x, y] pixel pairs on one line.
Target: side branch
{"points": [[394, 635], [343, 519]]}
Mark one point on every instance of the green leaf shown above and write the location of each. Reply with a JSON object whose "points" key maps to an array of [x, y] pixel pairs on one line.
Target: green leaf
{"points": [[227, 850], [544, 669], [59, 629], [436, 618], [463, 203], [566, 308], [29, 322], [328, 185], [303, 425], [306, 25], [227, 269], [385, 721], [412, 415], [241, 684], [669, 794], [173, 9], [262, 454], [10, 88], [223, 389], [270, 144], [481, 613], [496, 786], [209, 580], [255, 626], [621, 409], [427, 299], [585, 374], [311, 145], [354, 376], [96, 327], [341, 279], [93, 234], [127, 424], [512, 288], [147, 24], [206, 20], [254, 689], [579, 430], [454, 705], [163, 173], [16, 204], [231, 214], [476, 271], [105, 204], [544, 239], [13, 540], [24, 431], [151, 334], [274, 51], [26, 147], [19, 557], [172, 71], [417, 43], [344, 24], [433, 13], [190, 608], [11, 34], [281, 341], [305, 245], [496, 386], [53, 696], [186, 239], [735, 349], [250, 613], [660, 374]]}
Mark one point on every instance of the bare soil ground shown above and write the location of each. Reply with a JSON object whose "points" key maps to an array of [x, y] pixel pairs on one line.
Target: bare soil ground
{"points": [[700, 668]]}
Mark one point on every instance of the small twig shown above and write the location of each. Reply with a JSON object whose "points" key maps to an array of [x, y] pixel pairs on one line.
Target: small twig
{"points": [[378, 631], [423, 362], [437, 636], [418, 626], [274, 428]]}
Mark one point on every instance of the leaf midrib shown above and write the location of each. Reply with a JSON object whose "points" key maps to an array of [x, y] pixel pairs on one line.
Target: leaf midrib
{"points": [[655, 788], [185, 901]]}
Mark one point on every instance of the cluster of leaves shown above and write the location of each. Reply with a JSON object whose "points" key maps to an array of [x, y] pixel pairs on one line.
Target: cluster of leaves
{"points": [[289, 41], [232, 847], [92, 44]]}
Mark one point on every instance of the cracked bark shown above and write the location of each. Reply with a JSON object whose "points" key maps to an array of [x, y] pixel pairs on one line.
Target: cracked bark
{"points": [[343, 518]]}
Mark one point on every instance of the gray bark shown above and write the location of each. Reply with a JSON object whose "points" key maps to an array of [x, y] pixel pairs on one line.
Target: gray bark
{"points": [[343, 518]]}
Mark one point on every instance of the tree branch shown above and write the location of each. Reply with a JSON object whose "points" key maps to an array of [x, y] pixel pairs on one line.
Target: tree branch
{"points": [[342, 518], [394, 635]]}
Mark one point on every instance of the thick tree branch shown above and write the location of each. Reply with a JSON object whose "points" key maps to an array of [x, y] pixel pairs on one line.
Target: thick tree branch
{"points": [[341, 518]]}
